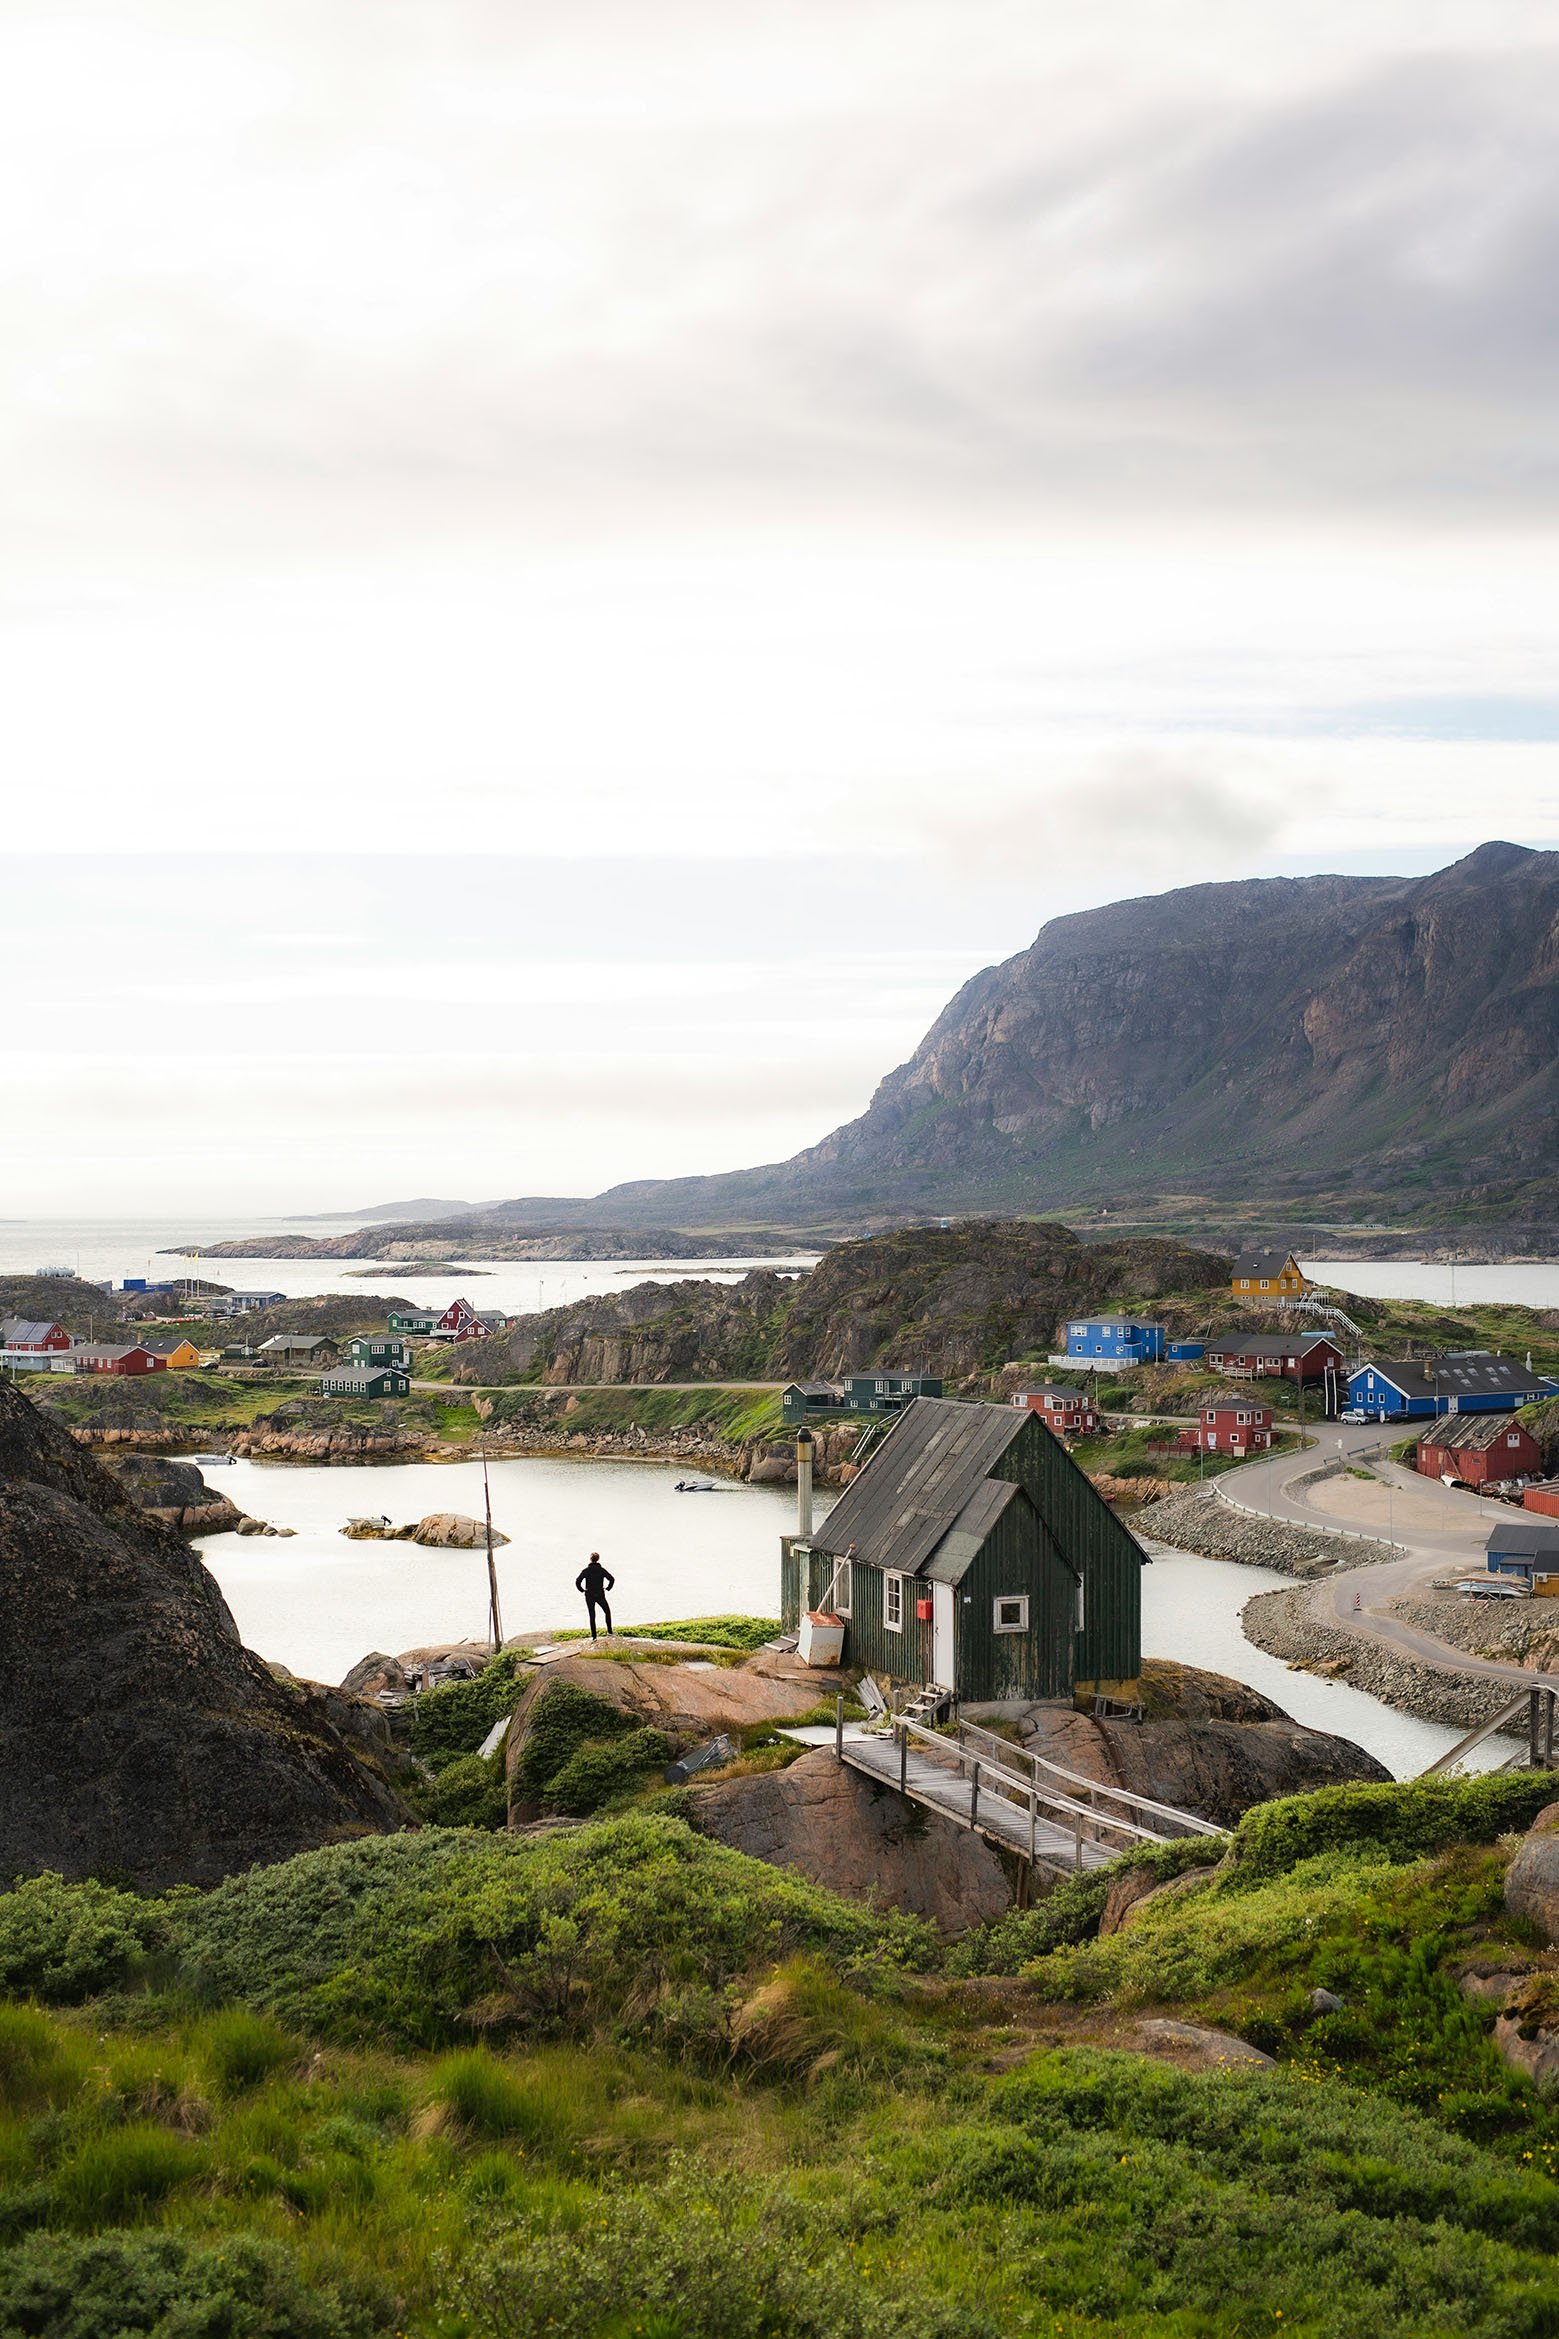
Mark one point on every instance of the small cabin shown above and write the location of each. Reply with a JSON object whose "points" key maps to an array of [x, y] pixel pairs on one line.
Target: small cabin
{"points": [[1528, 1550], [1067, 1411], [1474, 1449], [40, 1339], [301, 1351], [973, 1555], [1232, 1425], [1268, 1275], [177, 1350], [885, 1392], [127, 1359], [365, 1380], [1114, 1340], [379, 1348], [412, 1323], [802, 1401]]}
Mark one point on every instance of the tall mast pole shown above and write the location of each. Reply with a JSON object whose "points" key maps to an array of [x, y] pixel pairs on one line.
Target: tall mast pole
{"points": [[494, 1619]]}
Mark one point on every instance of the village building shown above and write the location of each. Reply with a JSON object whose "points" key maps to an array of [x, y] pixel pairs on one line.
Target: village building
{"points": [[1268, 1275], [1527, 1549], [412, 1323], [882, 1392], [800, 1400], [1113, 1340], [459, 1321], [38, 1360], [131, 1357], [365, 1380], [1543, 1498], [379, 1348], [1409, 1389], [1184, 1351], [22, 1332], [1067, 1411], [178, 1352], [1479, 1449], [305, 1351], [1229, 1425], [971, 1554], [1290, 1356], [247, 1303]]}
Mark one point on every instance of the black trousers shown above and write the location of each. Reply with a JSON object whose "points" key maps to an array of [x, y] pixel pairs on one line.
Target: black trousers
{"points": [[606, 1612]]}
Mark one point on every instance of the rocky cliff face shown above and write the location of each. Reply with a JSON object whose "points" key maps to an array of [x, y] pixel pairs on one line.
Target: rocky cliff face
{"points": [[955, 1300], [1313, 1041], [138, 1737]]}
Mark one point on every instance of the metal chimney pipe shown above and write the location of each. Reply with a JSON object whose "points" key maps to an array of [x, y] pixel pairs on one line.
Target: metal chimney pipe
{"points": [[804, 1486]]}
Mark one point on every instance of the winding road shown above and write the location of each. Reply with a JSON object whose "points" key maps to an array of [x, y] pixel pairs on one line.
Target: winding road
{"points": [[1436, 1530]]}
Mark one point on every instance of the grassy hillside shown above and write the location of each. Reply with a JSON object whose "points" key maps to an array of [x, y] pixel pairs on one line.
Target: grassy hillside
{"points": [[624, 2081]]}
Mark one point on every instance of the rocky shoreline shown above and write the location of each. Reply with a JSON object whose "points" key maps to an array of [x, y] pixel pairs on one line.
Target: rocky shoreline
{"points": [[1287, 1625], [1196, 1520]]}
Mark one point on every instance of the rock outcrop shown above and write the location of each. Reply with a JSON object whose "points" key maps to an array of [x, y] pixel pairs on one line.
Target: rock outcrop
{"points": [[173, 1493], [1209, 1745], [1532, 1879], [842, 1832], [138, 1736]]}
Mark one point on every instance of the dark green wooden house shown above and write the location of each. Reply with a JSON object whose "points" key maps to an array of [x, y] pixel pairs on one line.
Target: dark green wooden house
{"points": [[380, 1348], [973, 1554], [410, 1322]]}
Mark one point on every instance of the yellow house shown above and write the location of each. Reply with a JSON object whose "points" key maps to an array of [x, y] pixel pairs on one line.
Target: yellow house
{"points": [[1268, 1275], [177, 1353]]}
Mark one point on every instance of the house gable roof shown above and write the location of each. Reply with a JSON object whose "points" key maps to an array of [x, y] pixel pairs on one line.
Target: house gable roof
{"points": [[1455, 1376], [929, 1479], [1269, 1343], [1266, 1263], [1473, 1432], [1522, 1539]]}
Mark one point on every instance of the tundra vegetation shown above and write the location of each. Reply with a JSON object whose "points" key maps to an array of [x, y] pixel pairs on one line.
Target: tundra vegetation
{"points": [[621, 2080]]}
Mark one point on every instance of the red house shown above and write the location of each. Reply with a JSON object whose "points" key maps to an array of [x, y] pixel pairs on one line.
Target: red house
{"points": [[37, 1339], [1543, 1498], [131, 1359], [1479, 1449], [1067, 1411], [1291, 1356], [1232, 1425], [459, 1321]]}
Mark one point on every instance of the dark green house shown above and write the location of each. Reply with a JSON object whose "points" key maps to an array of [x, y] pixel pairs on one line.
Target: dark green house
{"points": [[378, 1348], [365, 1380], [972, 1554], [412, 1322]]}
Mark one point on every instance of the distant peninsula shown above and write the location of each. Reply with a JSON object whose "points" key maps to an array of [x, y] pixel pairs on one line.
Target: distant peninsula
{"points": [[488, 1238]]}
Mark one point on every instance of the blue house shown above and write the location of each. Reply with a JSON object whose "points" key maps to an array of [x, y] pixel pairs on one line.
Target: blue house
{"points": [[1524, 1548], [1185, 1351], [1114, 1340], [1399, 1389]]}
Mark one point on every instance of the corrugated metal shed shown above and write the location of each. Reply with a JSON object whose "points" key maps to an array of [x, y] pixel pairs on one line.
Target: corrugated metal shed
{"points": [[932, 1463]]}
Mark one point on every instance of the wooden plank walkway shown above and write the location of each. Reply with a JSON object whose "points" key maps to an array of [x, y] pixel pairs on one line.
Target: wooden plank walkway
{"points": [[950, 1792]]}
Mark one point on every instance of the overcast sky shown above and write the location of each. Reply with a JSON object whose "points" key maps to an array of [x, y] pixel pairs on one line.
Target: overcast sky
{"points": [[568, 569]]}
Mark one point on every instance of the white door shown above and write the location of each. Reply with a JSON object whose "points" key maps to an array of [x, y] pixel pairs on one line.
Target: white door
{"points": [[942, 1635]]}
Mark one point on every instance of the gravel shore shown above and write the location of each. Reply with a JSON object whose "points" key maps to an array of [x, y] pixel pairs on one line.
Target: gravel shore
{"points": [[1195, 1519], [1289, 1625]]}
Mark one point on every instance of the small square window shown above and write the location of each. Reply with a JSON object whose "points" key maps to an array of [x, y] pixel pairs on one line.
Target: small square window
{"points": [[1012, 1613]]}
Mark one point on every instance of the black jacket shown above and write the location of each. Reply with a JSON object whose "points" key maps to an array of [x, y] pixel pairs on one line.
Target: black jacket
{"points": [[593, 1581]]}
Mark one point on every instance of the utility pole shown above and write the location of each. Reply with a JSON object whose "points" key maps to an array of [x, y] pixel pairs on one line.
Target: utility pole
{"points": [[494, 1618]]}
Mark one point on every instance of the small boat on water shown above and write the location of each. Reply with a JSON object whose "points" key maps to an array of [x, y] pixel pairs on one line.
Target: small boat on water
{"points": [[689, 1486], [208, 1461]]}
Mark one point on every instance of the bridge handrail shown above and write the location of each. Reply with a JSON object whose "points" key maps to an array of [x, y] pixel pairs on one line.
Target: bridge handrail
{"points": [[996, 1775], [1127, 1795]]}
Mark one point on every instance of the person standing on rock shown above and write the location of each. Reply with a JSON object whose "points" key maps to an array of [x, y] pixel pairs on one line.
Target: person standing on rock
{"points": [[595, 1583]]}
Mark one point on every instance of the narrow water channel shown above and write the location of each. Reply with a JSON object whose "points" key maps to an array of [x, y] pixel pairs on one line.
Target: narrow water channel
{"points": [[318, 1601]]}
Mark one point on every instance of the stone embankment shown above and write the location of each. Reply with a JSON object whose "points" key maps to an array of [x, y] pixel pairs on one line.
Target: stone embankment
{"points": [[287, 1445], [1296, 1627], [1198, 1520], [760, 1461]]}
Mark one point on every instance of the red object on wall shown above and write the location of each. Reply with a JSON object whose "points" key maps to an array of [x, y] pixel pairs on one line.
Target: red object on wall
{"points": [[923, 1611]]}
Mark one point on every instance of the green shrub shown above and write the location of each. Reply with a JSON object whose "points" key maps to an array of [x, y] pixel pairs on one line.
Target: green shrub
{"points": [[559, 1721], [113, 2175], [162, 2286], [65, 1942], [1406, 1822], [699, 2256], [598, 1771], [240, 2050], [746, 1633], [38, 2063], [472, 1791], [484, 2097], [1072, 1910], [455, 1718], [406, 1935]]}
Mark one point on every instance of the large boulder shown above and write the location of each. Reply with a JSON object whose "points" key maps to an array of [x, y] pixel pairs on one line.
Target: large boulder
{"points": [[449, 1531], [853, 1837], [1208, 1745], [138, 1736], [173, 1493], [1532, 1879]]}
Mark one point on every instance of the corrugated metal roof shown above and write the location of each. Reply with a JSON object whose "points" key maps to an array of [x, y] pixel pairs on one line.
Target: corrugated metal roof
{"points": [[955, 1554], [1459, 1376], [1268, 1343], [1474, 1432], [1523, 1540], [1267, 1263], [920, 1482]]}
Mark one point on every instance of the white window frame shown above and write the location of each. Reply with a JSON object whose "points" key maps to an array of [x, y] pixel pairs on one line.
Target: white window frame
{"points": [[844, 1589], [1018, 1600], [893, 1599]]}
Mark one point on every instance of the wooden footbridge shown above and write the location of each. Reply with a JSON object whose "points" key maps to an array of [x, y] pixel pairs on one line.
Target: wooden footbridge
{"points": [[1047, 1814]]}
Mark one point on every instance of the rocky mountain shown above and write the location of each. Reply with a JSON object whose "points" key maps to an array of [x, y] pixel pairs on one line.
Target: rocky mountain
{"points": [[1343, 1047], [490, 1235], [954, 1300], [138, 1736]]}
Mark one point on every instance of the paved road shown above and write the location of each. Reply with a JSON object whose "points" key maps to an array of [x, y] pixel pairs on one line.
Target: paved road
{"points": [[1436, 1532]]}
